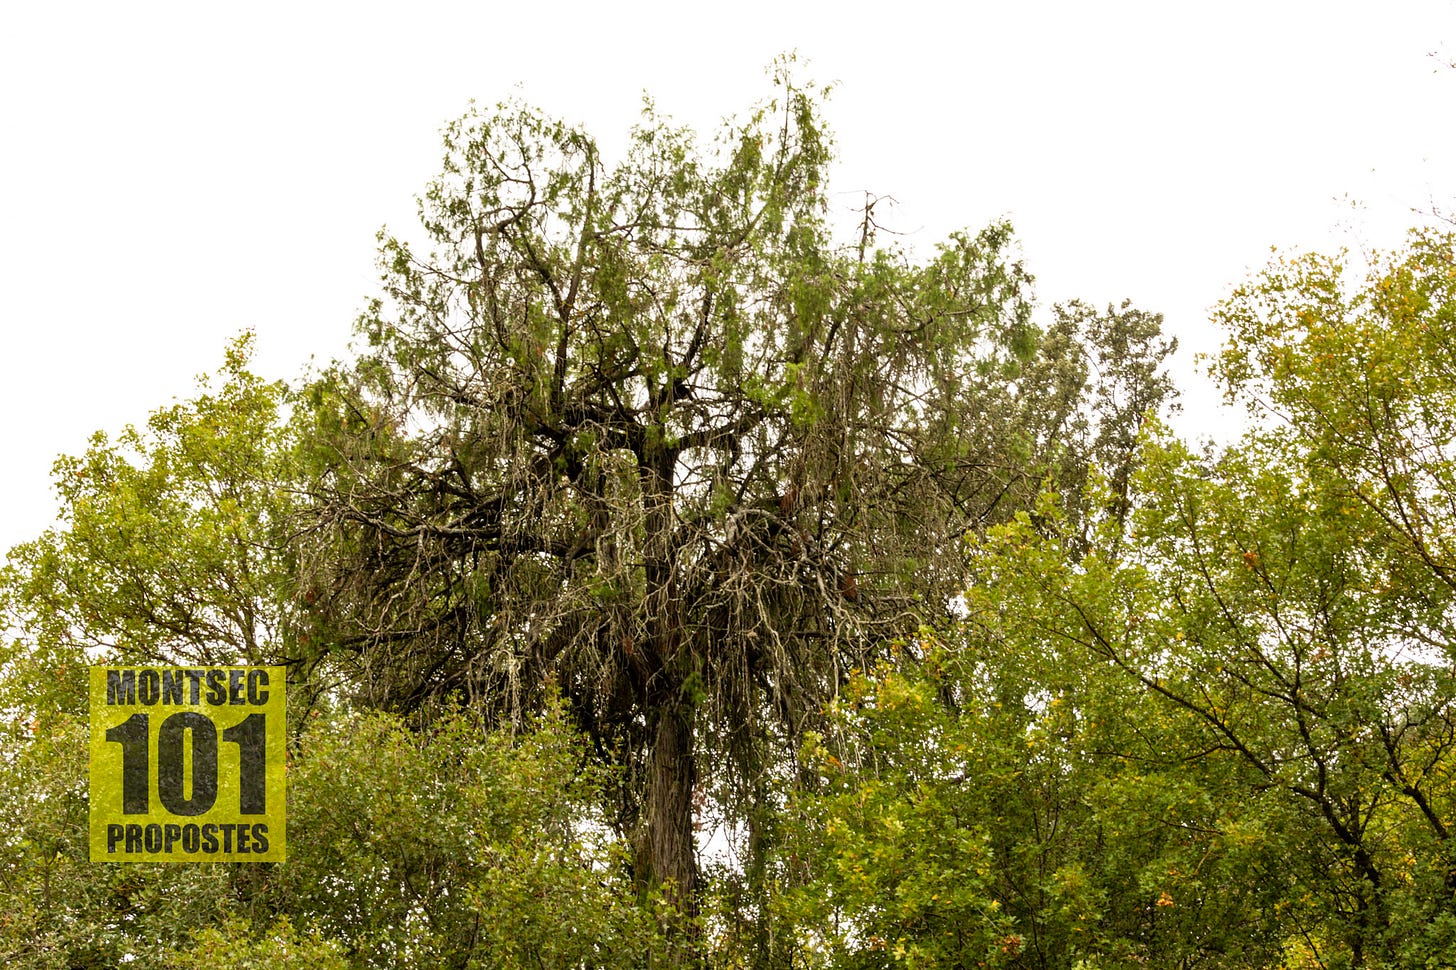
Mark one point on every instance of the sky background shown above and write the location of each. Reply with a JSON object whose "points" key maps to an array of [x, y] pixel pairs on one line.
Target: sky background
{"points": [[172, 174]]}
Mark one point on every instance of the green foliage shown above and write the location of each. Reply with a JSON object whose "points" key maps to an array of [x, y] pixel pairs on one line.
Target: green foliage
{"points": [[1284, 610], [903, 869], [61, 911], [232, 945], [1043, 823], [437, 845], [1213, 727], [645, 433], [1354, 592], [1306, 734], [170, 547], [449, 845], [1362, 378], [172, 544], [650, 507]]}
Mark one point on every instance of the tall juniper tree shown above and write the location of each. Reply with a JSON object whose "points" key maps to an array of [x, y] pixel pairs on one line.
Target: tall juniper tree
{"points": [[645, 435]]}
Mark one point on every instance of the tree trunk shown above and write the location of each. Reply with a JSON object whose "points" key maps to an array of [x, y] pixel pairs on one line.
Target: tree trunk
{"points": [[666, 852]]}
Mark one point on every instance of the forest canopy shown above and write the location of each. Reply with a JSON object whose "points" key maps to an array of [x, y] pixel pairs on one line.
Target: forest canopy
{"points": [[668, 580]]}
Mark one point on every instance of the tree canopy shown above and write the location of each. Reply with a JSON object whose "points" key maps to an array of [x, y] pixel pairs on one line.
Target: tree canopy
{"points": [[670, 581], [647, 433]]}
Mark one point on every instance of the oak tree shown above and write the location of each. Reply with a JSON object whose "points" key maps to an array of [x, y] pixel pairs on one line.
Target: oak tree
{"points": [[1280, 614], [173, 540]]}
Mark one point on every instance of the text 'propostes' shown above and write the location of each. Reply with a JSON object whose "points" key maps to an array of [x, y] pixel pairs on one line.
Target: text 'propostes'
{"points": [[206, 839]]}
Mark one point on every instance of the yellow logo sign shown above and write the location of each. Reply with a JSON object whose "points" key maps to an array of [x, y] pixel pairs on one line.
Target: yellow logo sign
{"points": [[187, 764]]}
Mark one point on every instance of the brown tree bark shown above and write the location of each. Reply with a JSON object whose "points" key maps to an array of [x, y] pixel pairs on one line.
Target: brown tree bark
{"points": [[666, 851], [666, 855]]}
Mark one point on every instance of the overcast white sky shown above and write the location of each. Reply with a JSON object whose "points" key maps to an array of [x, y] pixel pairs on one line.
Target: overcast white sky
{"points": [[171, 174]]}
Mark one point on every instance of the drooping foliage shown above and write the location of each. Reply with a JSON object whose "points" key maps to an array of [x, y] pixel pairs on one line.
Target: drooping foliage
{"points": [[645, 432]]}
